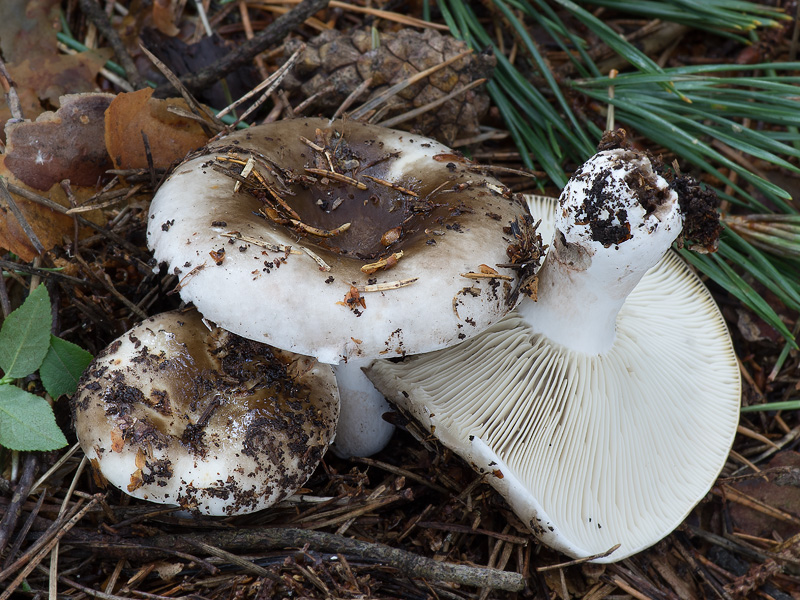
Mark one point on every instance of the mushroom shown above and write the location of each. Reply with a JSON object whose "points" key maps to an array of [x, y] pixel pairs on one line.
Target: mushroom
{"points": [[179, 412], [604, 411], [345, 242]]}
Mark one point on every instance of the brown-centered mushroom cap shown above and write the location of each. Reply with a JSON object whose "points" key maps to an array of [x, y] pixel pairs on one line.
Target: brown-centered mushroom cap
{"points": [[265, 263], [180, 412]]}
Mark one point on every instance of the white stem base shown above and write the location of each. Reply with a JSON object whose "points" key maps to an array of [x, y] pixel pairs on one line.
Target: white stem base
{"points": [[361, 431]]}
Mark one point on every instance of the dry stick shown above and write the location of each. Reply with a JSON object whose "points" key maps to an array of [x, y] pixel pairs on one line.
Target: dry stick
{"points": [[270, 83], [106, 282], [96, 15], [351, 97], [411, 114], [362, 110], [12, 266], [106, 200], [47, 548], [262, 539], [28, 195], [9, 521], [376, 12], [53, 587], [401, 472], [12, 98], [23, 532], [233, 559], [26, 227], [5, 301], [274, 33], [196, 107]]}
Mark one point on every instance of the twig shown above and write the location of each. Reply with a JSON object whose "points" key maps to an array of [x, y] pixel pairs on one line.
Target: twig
{"points": [[233, 559], [57, 465], [106, 282], [402, 472], [323, 266], [28, 195], [338, 177], [274, 81], [5, 301], [351, 97], [391, 185], [383, 287], [26, 227], [362, 110], [64, 505], [9, 521], [106, 200], [12, 98], [48, 547], [12, 266], [274, 33], [23, 532], [95, 14], [412, 114], [244, 540], [196, 107], [40, 542]]}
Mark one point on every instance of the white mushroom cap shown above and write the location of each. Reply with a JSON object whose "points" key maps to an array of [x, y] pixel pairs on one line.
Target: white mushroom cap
{"points": [[591, 449], [179, 412], [451, 223]]}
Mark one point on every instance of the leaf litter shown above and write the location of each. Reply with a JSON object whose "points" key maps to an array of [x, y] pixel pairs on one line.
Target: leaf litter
{"points": [[416, 498]]}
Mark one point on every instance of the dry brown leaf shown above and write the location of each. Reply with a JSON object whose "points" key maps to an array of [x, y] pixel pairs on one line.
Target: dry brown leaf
{"points": [[39, 71], [27, 28], [49, 226], [170, 136], [164, 17], [782, 492], [66, 144]]}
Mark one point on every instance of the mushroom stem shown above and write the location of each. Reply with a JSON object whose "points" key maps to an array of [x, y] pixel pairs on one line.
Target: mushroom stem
{"points": [[616, 219], [361, 430]]}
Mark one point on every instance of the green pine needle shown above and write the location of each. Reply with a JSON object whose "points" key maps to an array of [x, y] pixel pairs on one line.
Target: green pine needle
{"points": [[695, 111]]}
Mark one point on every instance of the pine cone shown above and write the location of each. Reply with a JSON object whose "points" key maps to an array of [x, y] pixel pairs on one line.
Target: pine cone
{"points": [[343, 61]]}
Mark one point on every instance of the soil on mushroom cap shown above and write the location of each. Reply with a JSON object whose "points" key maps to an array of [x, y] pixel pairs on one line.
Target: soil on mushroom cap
{"points": [[386, 213]]}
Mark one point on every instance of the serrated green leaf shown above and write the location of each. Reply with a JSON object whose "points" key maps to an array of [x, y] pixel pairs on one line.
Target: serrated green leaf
{"points": [[62, 367], [27, 422], [25, 335]]}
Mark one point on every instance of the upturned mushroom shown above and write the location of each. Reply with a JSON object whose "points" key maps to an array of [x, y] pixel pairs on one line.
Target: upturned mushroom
{"points": [[177, 411], [603, 411], [344, 242]]}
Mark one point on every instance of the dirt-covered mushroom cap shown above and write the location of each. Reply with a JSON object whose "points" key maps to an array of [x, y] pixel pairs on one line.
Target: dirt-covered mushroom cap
{"points": [[180, 412], [604, 437], [341, 242]]}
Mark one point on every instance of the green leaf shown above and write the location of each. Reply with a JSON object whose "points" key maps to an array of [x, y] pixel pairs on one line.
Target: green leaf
{"points": [[25, 335], [27, 422], [63, 366]]}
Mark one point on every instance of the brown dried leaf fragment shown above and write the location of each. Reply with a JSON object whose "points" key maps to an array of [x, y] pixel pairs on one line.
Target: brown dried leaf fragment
{"points": [[41, 74], [66, 144], [171, 136], [50, 226], [353, 299]]}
